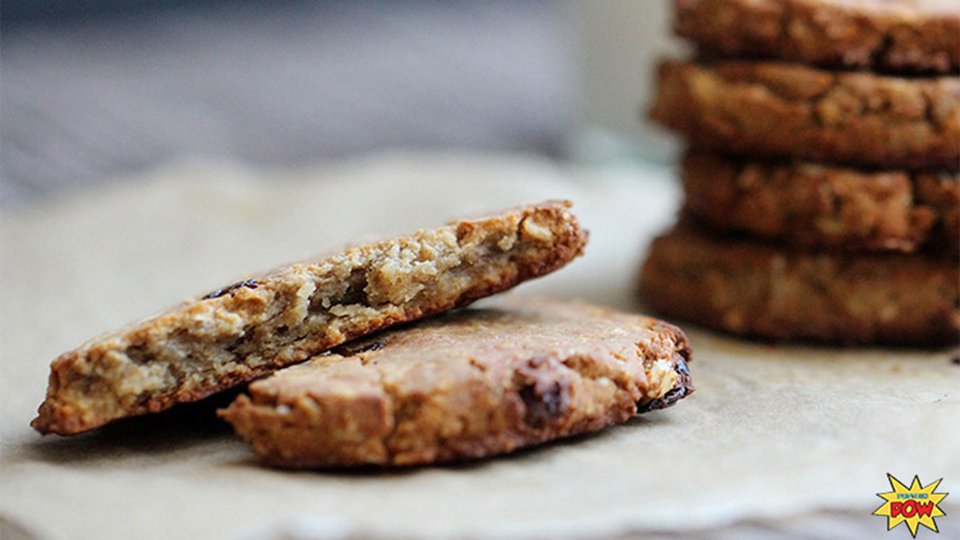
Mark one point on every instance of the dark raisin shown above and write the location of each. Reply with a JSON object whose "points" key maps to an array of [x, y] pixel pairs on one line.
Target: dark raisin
{"points": [[241, 341], [248, 283], [138, 354], [683, 388], [360, 348], [545, 402]]}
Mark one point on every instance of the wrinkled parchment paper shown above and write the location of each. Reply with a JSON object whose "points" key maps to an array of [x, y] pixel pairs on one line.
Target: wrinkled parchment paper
{"points": [[778, 440]]}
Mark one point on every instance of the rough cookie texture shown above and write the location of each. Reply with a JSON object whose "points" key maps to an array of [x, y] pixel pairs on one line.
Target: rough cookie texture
{"points": [[890, 35], [256, 326], [755, 289], [764, 109], [466, 385], [941, 193], [818, 206]]}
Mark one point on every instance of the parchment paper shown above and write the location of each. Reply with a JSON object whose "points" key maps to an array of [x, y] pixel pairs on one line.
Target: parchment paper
{"points": [[786, 440]]}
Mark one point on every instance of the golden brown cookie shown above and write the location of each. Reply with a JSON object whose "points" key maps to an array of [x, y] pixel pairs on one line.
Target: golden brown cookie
{"points": [[754, 289], [820, 206], [889, 35], [467, 385], [253, 327], [773, 110]]}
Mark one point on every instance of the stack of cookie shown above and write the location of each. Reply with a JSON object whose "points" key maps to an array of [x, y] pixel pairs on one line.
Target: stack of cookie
{"points": [[822, 199], [476, 383]]}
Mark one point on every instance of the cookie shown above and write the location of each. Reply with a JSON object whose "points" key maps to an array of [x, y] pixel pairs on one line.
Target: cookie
{"points": [[764, 109], [907, 36], [466, 385], [940, 192], [755, 289], [824, 207], [255, 326]]}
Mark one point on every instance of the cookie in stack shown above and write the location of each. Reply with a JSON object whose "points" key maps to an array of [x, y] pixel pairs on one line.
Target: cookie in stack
{"points": [[822, 194]]}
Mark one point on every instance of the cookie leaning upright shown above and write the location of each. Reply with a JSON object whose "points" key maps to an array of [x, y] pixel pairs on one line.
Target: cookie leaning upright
{"points": [[256, 326], [822, 199], [476, 383]]}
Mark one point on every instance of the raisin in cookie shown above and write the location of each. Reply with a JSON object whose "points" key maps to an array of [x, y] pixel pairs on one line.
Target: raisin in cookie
{"points": [[754, 289], [251, 328], [466, 385]]}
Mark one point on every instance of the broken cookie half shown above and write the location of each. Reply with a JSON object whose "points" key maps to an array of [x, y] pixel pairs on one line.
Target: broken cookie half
{"points": [[466, 385], [249, 329]]}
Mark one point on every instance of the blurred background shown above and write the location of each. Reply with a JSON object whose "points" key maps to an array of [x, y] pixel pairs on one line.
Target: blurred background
{"points": [[94, 90]]}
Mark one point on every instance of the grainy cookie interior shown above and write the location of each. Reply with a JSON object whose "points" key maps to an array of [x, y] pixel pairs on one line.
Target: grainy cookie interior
{"points": [[253, 327]]}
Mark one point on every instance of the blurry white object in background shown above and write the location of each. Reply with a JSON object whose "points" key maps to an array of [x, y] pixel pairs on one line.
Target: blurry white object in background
{"points": [[620, 43]]}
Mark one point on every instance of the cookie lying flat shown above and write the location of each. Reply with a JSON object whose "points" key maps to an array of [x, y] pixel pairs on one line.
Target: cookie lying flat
{"points": [[818, 206], [756, 289], [256, 326], [764, 109], [893, 35], [466, 385]]}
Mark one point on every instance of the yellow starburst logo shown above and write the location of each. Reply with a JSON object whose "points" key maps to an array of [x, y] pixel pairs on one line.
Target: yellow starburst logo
{"points": [[915, 505]]}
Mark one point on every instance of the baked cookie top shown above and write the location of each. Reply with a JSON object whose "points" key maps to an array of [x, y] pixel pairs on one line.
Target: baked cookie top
{"points": [[818, 206], [908, 36], [779, 110], [259, 324], [761, 289], [466, 385]]}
